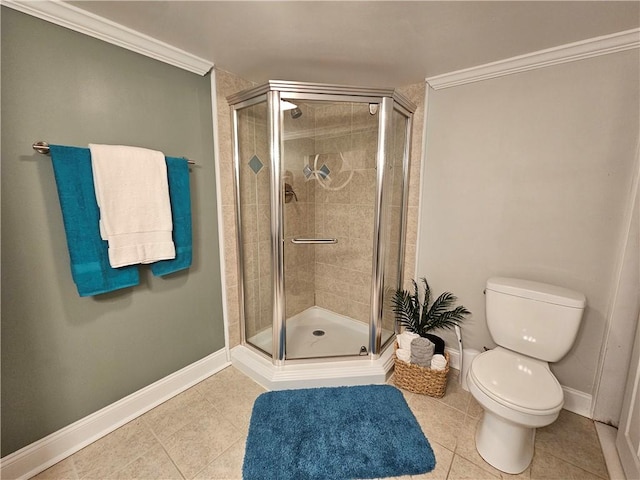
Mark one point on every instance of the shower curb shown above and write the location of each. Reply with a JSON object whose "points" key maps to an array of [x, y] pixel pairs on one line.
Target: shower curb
{"points": [[321, 374]]}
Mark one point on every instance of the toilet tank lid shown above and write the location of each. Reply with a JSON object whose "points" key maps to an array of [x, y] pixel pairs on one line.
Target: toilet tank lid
{"points": [[542, 292]]}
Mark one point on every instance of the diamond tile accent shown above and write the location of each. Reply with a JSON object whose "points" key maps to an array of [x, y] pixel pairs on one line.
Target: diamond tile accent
{"points": [[324, 170], [307, 171], [255, 164]]}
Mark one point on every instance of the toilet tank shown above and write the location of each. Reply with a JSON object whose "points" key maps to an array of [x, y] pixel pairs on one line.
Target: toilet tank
{"points": [[532, 318]]}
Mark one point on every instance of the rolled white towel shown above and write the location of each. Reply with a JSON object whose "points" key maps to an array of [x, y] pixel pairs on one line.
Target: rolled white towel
{"points": [[405, 339], [438, 362], [404, 355]]}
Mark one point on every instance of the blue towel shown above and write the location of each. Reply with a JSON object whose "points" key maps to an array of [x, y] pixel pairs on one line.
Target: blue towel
{"points": [[89, 256], [180, 197]]}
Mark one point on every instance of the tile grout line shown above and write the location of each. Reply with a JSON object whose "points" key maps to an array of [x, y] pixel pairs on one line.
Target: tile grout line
{"points": [[460, 441], [116, 470], [73, 467], [581, 467], [164, 448], [222, 453]]}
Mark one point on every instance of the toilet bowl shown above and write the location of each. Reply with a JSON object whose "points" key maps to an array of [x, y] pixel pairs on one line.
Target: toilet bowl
{"points": [[532, 324], [518, 395]]}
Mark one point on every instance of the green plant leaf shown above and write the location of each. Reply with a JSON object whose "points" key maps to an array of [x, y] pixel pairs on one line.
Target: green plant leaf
{"points": [[442, 304], [427, 293], [404, 308], [416, 315]]}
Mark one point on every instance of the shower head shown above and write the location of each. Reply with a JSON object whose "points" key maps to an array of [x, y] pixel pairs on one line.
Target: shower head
{"points": [[294, 110]]}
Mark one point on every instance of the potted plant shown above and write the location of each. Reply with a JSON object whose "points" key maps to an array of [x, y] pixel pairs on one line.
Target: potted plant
{"points": [[419, 317]]}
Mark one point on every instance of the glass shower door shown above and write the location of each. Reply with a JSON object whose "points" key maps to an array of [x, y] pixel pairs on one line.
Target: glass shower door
{"points": [[254, 220], [328, 171]]}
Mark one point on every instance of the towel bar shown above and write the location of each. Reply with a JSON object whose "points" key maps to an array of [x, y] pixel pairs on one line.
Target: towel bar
{"points": [[43, 148]]}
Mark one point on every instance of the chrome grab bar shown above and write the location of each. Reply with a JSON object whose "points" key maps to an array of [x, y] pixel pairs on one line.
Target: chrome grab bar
{"points": [[320, 241]]}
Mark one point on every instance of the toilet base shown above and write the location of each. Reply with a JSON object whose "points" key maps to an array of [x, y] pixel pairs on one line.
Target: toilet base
{"points": [[503, 444]]}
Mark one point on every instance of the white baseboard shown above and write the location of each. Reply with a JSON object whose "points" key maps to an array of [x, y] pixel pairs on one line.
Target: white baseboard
{"points": [[607, 437], [44, 453], [454, 357], [577, 402]]}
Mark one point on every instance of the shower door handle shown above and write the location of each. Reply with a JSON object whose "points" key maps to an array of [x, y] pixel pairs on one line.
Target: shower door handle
{"points": [[317, 241]]}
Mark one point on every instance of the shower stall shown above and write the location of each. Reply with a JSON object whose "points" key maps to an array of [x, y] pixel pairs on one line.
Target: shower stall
{"points": [[321, 177]]}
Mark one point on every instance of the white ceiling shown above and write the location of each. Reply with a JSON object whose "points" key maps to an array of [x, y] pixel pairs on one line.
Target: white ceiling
{"points": [[368, 43]]}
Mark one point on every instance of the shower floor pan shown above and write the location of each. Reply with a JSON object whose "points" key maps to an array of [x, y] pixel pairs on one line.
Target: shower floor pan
{"points": [[313, 338]]}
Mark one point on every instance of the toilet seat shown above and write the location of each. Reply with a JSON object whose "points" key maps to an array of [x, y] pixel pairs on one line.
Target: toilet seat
{"points": [[517, 382]]}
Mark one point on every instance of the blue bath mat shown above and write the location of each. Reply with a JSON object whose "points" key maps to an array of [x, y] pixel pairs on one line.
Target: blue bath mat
{"points": [[333, 434]]}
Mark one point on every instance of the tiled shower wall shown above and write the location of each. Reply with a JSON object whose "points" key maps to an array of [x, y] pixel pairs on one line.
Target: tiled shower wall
{"points": [[337, 273], [255, 178], [299, 214], [394, 200], [227, 84], [415, 93], [345, 208]]}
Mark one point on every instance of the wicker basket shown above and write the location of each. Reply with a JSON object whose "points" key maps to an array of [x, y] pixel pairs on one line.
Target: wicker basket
{"points": [[417, 379]]}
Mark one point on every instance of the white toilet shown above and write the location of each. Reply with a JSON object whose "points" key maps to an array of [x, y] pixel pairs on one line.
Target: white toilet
{"points": [[533, 324]]}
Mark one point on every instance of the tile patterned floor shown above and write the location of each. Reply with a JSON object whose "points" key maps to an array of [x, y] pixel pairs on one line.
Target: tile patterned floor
{"points": [[200, 434]]}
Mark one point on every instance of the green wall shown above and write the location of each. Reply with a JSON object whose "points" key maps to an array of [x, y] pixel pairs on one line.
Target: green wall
{"points": [[64, 357]]}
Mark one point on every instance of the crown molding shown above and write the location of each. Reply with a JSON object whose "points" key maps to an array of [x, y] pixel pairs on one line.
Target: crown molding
{"points": [[593, 47], [79, 20]]}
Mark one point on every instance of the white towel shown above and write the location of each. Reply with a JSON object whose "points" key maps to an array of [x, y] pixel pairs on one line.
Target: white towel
{"points": [[405, 339], [404, 355], [438, 362], [132, 192]]}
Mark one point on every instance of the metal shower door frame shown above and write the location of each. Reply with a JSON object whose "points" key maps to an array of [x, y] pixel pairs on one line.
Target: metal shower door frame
{"points": [[273, 92]]}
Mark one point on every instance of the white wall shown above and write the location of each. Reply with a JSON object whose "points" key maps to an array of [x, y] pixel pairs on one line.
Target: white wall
{"points": [[529, 175]]}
